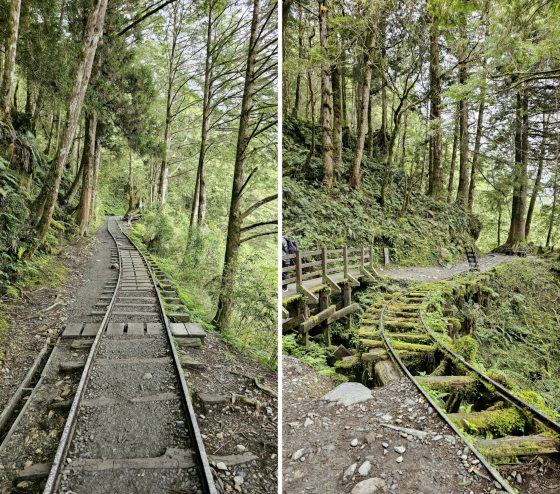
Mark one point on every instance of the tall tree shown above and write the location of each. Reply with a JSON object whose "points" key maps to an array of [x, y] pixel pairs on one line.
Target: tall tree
{"points": [[6, 90], [46, 201], [368, 60], [435, 188], [326, 96]]}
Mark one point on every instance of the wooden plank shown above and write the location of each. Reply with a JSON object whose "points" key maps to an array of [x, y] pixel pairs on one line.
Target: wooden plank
{"points": [[446, 383], [91, 329], [136, 314], [72, 330], [180, 317], [115, 328], [318, 319], [195, 330], [154, 328], [518, 446], [179, 329], [291, 323], [135, 328], [345, 311]]}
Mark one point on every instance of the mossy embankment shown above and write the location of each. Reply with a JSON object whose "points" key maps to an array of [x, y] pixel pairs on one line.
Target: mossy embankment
{"points": [[511, 313], [425, 233]]}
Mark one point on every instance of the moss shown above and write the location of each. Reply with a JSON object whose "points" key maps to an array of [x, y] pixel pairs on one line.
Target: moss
{"points": [[346, 364], [467, 348], [412, 347], [371, 343], [498, 423]]}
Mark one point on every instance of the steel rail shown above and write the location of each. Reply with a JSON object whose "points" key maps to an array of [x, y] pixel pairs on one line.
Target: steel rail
{"points": [[207, 478], [69, 426], [497, 477]]}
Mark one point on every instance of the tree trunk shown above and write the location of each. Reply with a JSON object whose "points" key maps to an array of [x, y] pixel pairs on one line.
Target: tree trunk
{"points": [[225, 301], [130, 182], [356, 173], [96, 166], [47, 199], [553, 208], [326, 90], [537, 183], [453, 159], [436, 178], [516, 234], [476, 154], [295, 109], [206, 102], [463, 188], [337, 117], [164, 170], [88, 165], [6, 92]]}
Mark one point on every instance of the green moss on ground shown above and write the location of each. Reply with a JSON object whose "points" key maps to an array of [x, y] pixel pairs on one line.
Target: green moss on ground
{"points": [[429, 232]]}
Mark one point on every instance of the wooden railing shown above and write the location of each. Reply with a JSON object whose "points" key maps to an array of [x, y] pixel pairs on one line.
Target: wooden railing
{"points": [[323, 263]]}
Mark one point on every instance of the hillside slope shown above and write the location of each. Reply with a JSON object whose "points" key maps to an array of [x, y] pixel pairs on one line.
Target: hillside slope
{"points": [[427, 232]]}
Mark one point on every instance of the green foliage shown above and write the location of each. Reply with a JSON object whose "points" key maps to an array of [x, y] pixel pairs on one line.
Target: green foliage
{"points": [[314, 355], [345, 217], [467, 348]]}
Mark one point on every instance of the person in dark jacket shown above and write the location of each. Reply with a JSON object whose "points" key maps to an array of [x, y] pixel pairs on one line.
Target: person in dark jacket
{"points": [[289, 246]]}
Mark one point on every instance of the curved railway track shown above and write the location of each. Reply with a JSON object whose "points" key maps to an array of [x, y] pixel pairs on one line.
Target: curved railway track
{"points": [[517, 427], [130, 426]]}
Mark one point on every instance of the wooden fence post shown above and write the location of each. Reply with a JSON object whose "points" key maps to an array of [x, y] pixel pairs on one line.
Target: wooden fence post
{"points": [[371, 258], [345, 257], [324, 265], [298, 270]]}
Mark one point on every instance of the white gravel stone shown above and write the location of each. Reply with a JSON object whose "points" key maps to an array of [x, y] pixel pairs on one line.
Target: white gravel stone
{"points": [[349, 394], [365, 468], [369, 486]]}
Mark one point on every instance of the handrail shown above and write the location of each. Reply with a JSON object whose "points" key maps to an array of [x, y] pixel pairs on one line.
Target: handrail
{"points": [[321, 264]]}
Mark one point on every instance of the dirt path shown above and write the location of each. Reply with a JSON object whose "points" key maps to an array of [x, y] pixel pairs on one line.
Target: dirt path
{"points": [[88, 265], [330, 448], [435, 273]]}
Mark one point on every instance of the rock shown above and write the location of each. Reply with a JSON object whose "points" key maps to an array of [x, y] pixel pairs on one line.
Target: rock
{"points": [[400, 449], [348, 394], [385, 445], [298, 454], [308, 422], [519, 478], [439, 437], [369, 486], [399, 459], [238, 480], [386, 418], [147, 376], [241, 448], [349, 471], [221, 466], [354, 442], [364, 469]]}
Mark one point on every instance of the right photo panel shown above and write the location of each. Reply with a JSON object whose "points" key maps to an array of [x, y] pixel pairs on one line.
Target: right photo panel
{"points": [[420, 262]]}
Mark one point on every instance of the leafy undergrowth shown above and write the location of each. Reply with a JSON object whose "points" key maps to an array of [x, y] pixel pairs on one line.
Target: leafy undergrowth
{"points": [[196, 273], [315, 355], [428, 232]]}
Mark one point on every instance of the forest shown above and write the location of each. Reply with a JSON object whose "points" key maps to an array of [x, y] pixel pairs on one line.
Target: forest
{"points": [[448, 105], [161, 111]]}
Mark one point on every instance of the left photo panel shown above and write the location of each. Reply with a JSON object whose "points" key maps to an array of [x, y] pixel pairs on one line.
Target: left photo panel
{"points": [[138, 246]]}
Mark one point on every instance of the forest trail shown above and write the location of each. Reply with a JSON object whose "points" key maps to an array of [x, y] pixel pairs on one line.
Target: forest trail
{"points": [[103, 429], [438, 273], [420, 273]]}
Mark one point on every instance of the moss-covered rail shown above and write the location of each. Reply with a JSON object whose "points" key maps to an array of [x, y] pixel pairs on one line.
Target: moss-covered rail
{"points": [[494, 422]]}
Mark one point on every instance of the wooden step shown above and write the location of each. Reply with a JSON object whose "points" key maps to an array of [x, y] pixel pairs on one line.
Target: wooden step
{"points": [[518, 446], [497, 422], [446, 383], [187, 330]]}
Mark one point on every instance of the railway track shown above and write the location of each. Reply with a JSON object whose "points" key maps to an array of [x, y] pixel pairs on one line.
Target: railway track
{"points": [[111, 410], [475, 406]]}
